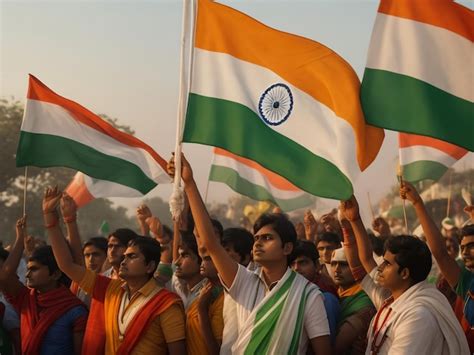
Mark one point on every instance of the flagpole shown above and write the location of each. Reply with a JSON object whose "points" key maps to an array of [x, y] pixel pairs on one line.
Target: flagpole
{"points": [[370, 205], [400, 180], [177, 196], [449, 193], [25, 187]]}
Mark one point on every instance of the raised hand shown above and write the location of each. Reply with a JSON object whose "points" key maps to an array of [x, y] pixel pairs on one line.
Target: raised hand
{"points": [[156, 228], [310, 225], [381, 226], [21, 227], [350, 209], [186, 170], [143, 212], [300, 231], [408, 192], [68, 207], [51, 198], [205, 296], [470, 212]]}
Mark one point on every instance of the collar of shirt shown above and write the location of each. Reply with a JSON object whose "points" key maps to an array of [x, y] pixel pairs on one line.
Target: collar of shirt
{"points": [[145, 290], [259, 272]]}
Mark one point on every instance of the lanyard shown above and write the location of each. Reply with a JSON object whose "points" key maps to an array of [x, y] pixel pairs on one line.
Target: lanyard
{"points": [[374, 347]]}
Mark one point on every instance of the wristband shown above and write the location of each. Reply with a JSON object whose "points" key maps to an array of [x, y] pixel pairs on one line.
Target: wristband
{"points": [[52, 224], [69, 219]]}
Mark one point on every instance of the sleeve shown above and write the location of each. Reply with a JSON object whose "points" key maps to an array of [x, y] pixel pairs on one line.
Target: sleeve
{"points": [[79, 316], [172, 323], [315, 318], [88, 281], [243, 279], [376, 293], [331, 304], [216, 317], [464, 283], [96, 285]]}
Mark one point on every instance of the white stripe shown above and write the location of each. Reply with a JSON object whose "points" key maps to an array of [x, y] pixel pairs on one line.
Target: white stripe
{"points": [[47, 118], [418, 153], [255, 177], [311, 124], [429, 53], [103, 188]]}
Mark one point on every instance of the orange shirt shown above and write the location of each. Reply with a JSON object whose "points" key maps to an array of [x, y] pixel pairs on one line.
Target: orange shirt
{"points": [[119, 310], [195, 342]]}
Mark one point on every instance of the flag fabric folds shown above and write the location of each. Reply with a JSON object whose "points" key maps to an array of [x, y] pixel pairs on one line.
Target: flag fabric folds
{"points": [[286, 102], [425, 158], [252, 180], [419, 74], [84, 189], [59, 132]]}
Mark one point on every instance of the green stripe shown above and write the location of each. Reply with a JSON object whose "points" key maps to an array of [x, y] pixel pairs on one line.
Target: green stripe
{"points": [[423, 170], [45, 150], [245, 187], [262, 334], [236, 128], [405, 104], [295, 342]]}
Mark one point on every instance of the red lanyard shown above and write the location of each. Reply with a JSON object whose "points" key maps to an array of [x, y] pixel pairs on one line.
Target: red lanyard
{"points": [[374, 347]]}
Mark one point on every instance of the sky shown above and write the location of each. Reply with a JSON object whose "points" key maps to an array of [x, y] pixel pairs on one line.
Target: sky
{"points": [[121, 58]]}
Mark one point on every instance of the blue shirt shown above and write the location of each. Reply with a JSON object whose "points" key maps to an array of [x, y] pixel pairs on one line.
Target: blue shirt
{"points": [[59, 337], [333, 309]]}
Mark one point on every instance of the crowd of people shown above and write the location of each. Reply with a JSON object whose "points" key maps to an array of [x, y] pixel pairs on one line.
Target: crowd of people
{"points": [[197, 288]]}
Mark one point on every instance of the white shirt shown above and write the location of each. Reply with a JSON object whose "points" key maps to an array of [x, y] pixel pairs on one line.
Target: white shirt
{"points": [[249, 289], [416, 332]]}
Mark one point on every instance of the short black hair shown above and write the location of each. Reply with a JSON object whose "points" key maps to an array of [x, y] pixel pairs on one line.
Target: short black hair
{"points": [[467, 230], [98, 242], [304, 248], [377, 243], [411, 253], [124, 235], [218, 227], [240, 239], [329, 237], [3, 254], [280, 224], [167, 231], [188, 240], [149, 247], [45, 256]]}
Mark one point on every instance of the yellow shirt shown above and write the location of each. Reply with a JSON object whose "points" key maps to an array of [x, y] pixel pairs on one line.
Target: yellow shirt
{"points": [[119, 311], [195, 342]]}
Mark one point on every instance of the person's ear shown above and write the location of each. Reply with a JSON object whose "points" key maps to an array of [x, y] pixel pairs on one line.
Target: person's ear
{"points": [[288, 248], [405, 273]]}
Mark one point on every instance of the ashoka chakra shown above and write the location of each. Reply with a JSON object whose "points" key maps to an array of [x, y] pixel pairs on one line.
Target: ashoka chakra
{"points": [[275, 104]]}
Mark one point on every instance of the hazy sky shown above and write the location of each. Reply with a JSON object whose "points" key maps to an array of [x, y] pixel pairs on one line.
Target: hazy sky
{"points": [[121, 58]]}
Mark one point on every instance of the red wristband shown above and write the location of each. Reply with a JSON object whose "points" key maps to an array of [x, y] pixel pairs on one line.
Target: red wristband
{"points": [[52, 224], [69, 219]]}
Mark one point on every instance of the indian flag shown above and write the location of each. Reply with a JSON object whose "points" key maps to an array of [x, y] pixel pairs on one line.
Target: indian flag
{"points": [[425, 158], [84, 189], [419, 74], [252, 180], [286, 102], [59, 132]]}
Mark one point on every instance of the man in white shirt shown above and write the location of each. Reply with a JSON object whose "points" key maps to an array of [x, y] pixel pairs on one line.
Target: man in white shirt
{"points": [[278, 311], [413, 317]]}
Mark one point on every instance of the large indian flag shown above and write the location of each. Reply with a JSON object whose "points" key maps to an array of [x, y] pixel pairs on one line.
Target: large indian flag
{"points": [[286, 102], [425, 158], [59, 132], [252, 180], [419, 76]]}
